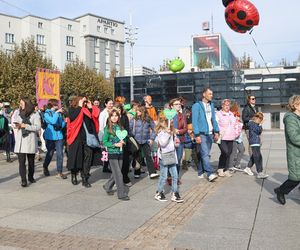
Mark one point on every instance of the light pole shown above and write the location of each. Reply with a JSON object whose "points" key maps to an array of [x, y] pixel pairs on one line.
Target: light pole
{"points": [[131, 33]]}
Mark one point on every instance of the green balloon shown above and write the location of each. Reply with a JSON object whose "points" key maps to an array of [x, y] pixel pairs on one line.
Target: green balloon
{"points": [[176, 65]]}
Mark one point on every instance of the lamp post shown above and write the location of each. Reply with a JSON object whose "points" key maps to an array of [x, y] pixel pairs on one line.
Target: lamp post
{"points": [[131, 33]]}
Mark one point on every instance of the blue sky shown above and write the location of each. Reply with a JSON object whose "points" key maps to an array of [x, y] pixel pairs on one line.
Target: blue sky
{"points": [[165, 25]]}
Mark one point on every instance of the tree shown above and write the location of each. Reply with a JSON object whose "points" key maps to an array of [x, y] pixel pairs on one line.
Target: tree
{"points": [[18, 70], [204, 63], [243, 62], [77, 79]]}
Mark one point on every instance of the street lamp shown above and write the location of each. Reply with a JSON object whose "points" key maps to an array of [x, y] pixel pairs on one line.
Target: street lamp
{"points": [[131, 33]]}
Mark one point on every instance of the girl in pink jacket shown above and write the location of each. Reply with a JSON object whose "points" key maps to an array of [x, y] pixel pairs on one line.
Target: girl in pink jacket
{"points": [[230, 129]]}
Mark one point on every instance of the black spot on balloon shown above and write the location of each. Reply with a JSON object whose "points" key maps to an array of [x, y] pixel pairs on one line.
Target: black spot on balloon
{"points": [[232, 11], [249, 22], [241, 15], [229, 24]]}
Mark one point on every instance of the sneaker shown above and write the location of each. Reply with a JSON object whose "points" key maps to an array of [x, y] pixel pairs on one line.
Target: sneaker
{"points": [[154, 175], [248, 171], [160, 196], [201, 176], [237, 167], [176, 197], [46, 172], [212, 177], [227, 173], [128, 184], [137, 176], [221, 172], [262, 175], [61, 176]]}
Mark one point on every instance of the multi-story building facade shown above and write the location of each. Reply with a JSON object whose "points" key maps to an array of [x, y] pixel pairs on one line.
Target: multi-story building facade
{"points": [[97, 41]]}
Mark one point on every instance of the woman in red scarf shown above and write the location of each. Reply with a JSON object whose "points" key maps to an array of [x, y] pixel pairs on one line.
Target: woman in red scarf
{"points": [[80, 154]]}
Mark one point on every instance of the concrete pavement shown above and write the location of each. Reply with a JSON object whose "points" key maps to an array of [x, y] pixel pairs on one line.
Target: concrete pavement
{"points": [[240, 212]]}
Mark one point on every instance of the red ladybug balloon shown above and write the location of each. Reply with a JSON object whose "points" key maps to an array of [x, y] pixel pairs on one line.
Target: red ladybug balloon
{"points": [[241, 15]]}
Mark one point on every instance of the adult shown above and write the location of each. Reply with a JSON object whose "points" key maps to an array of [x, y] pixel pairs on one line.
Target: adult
{"points": [[96, 103], [247, 114], [109, 104], [206, 130], [150, 108], [82, 116], [4, 135], [180, 126], [53, 135], [27, 123], [292, 136], [230, 129]]}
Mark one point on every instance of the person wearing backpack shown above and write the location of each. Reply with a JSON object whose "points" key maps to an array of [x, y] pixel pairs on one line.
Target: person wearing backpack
{"points": [[53, 135]]}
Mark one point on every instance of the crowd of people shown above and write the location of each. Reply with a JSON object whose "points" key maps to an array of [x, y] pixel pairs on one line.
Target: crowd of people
{"points": [[140, 137]]}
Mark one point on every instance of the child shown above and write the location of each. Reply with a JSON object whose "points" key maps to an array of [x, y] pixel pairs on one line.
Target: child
{"points": [[255, 130], [165, 140], [115, 155]]}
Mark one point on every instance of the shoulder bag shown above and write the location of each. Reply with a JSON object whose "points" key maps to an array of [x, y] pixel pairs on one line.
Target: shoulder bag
{"points": [[91, 140], [133, 144]]}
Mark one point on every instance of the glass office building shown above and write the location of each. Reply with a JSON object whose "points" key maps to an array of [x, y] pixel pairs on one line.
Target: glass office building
{"points": [[271, 89]]}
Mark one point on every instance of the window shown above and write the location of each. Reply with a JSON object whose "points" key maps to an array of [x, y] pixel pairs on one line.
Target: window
{"points": [[40, 39], [97, 57], [40, 25], [117, 46], [117, 60], [8, 24], [107, 58], [98, 28], [70, 40], [105, 30], [69, 27], [97, 42], [112, 31], [9, 38], [107, 44], [70, 56]]}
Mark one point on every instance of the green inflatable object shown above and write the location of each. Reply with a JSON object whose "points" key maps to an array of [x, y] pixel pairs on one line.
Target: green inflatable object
{"points": [[175, 65]]}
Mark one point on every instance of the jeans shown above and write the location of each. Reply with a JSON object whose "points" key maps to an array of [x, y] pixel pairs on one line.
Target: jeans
{"points": [[237, 153], [179, 152], [226, 149], [51, 147], [256, 158], [164, 175], [205, 147]]}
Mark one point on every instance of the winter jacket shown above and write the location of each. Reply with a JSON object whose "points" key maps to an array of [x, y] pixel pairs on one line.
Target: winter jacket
{"points": [[200, 125], [110, 139], [142, 131], [292, 136], [229, 127], [180, 123], [55, 124], [28, 144], [247, 114], [255, 131], [166, 143]]}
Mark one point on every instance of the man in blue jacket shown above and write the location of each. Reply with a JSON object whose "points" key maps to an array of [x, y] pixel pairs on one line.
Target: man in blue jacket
{"points": [[206, 130], [54, 137]]}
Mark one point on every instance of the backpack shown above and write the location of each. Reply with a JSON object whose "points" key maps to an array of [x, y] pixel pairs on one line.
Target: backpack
{"points": [[43, 123]]}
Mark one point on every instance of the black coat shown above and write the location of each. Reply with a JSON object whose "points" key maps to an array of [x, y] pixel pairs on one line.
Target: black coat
{"points": [[247, 114]]}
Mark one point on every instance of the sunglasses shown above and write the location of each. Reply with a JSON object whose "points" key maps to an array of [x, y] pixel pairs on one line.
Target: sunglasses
{"points": [[252, 98]]}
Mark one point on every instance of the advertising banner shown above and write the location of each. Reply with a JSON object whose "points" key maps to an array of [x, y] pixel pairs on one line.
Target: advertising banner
{"points": [[206, 47], [47, 86]]}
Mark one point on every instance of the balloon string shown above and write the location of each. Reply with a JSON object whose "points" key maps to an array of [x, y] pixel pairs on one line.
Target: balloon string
{"points": [[250, 33]]}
